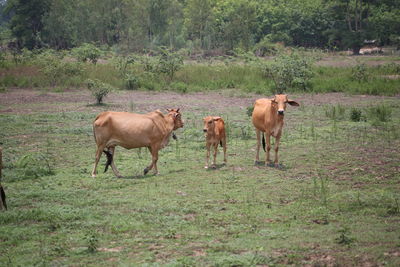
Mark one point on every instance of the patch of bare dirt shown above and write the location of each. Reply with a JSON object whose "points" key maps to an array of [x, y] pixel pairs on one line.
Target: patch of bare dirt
{"points": [[20, 101]]}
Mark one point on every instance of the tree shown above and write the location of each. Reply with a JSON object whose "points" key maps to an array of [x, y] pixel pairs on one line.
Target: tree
{"points": [[351, 23], [26, 22]]}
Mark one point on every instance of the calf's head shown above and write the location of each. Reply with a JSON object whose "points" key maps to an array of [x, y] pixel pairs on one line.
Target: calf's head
{"points": [[280, 102], [176, 115], [209, 124]]}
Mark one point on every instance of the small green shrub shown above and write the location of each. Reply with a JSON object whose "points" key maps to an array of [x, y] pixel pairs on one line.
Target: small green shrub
{"points": [[335, 112], [34, 165], [92, 241], [87, 52], [344, 237], [99, 89], [179, 86], [170, 63], [290, 71], [249, 111], [55, 69], [355, 114], [131, 81], [380, 113], [360, 72]]}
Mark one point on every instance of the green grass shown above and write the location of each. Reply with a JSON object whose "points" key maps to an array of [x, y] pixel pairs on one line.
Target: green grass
{"points": [[195, 77], [335, 199]]}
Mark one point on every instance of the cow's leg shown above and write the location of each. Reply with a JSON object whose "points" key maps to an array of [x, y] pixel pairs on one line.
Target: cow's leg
{"points": [[224, 148], [148, 168], [114, 168], [258, 134], [215, 154], [99, 151], [154, 159], [208, 148], [276, 148], [268, 147], [154, 156]]}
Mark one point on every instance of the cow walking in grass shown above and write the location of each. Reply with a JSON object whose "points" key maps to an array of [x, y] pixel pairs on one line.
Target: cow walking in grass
{"points": [[267, 118], [130, 130], [214, 127]]}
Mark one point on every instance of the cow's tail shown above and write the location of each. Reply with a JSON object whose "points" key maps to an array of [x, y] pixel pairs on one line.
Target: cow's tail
{"points": [[263, 141], [3, 198], [109, 159]]}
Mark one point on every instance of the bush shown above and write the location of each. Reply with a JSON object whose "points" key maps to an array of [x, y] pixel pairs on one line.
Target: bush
{"points": [[359, 72], [87, 52], [34, 165], [98, 89], [335, 112], [131, 82], [380, 113], [356, 114], [290, 71], [55, 68], [170, 63]]}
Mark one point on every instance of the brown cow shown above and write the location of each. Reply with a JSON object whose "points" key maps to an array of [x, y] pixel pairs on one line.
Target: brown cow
{"points": [[3, 204], [214, 127], [268, 117], [130, 130]]}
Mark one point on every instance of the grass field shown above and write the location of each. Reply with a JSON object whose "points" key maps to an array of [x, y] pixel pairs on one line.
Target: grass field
{"points": [[334, 201]]}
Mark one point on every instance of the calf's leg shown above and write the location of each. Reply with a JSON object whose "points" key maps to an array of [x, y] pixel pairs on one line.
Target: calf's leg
{"points": [[208, 147], [215, 154], [258, 145], [224, 148], [276, 148], [268, 148]]}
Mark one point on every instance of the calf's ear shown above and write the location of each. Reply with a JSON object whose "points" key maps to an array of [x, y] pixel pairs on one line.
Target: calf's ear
{"points": [[293, 103], [216, 118]]}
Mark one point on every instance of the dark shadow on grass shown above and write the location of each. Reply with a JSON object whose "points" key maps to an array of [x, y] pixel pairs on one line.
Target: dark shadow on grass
{"points": [[141, 176], [280, 166], [216, 167]]}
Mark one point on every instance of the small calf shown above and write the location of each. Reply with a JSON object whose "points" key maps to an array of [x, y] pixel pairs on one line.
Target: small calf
{"points": [[214, 127]]}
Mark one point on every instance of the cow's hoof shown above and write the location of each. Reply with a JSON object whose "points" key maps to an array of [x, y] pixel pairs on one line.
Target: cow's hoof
{"points": [[145, 171], [213, 167], [205, 167]]}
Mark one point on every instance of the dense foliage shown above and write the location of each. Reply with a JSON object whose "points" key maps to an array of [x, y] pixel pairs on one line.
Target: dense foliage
{"points": [[210, 25]]}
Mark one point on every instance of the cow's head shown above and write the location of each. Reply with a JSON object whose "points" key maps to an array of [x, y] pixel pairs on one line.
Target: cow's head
{"points": [[209, 123], [280, 102], [176, 115]]}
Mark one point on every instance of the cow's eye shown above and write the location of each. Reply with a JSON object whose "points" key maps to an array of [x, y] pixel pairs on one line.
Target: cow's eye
{"points": [[209, 122]]}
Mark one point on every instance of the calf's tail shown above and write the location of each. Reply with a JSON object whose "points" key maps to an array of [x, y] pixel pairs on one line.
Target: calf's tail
{"points": [[263, 141], [109, 159]]}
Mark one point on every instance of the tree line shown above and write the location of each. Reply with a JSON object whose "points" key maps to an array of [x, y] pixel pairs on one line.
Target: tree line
{"points": [[209, 25]]}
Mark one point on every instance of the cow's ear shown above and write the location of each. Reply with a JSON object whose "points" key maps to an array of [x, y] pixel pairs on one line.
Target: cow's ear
{"points": [[169, 110], [293, 103], [216, 118]]}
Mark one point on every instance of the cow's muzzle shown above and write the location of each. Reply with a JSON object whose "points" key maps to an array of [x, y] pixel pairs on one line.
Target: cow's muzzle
{"points": [[280, 112], [205, 130]]}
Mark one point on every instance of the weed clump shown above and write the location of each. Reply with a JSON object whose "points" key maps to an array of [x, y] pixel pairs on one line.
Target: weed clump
{"points": [[379, 114], [34, 165], [98, 89]]}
